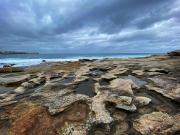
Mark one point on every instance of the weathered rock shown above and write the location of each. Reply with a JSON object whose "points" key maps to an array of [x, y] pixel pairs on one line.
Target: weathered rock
{"points": [[108, 76], [86, 60], [57, 103], [20, 90], [81, 74], [156, 123], [51, 75], [11, 69], [142, 101], [166, 83], [167, 87], [174, 53], [36, 121], [138, 72], [121, 128], [14, 80], [169, 93], [156, 71], [118, 71], [7, 65], [119, 100], [6, 70], [99, 102], [123, 86], [7, 99], [130, 108], [36, 82], [74, 129], [102, 116]]}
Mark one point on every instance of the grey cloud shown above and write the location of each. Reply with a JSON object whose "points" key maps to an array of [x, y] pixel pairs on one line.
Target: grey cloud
{"points": [[79, 25]]}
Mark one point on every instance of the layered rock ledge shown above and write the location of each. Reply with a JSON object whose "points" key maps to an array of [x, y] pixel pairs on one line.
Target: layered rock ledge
{"points": [[100, 97]]}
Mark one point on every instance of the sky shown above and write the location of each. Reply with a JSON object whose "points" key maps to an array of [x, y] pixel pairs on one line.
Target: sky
{"points": [[90, 26]]}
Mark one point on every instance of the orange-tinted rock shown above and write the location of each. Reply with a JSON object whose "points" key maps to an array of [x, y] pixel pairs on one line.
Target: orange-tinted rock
{"points": [[37, 121]]}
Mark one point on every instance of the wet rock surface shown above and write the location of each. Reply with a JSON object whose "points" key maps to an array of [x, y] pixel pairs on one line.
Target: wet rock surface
{"points": [[92, 97]]}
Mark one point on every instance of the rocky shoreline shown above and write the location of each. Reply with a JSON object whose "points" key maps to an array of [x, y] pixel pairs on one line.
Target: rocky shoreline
{"points": [[99, 97]]}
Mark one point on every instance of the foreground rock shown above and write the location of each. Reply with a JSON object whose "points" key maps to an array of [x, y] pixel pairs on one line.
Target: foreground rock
{"points": [[169, 87], [9, 69], [157, 123], [92, 97], [14, 80]]}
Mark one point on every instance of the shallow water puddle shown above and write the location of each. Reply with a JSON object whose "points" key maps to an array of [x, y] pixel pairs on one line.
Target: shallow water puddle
{"points": [[4, 127], [86, 88], [2, 109], [104, 81], [6, 89], [97, 72], [67, 80], [137, 81]]}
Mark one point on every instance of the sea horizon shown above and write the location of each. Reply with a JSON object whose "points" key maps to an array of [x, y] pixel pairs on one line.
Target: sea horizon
{"points": [[34, 59]]}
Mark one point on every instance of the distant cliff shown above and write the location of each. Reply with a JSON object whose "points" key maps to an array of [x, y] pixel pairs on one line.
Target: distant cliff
{"points": [[14, 52]]}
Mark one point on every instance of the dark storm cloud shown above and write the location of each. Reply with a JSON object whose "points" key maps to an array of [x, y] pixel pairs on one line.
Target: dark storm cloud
{"points": [[89, 25]]}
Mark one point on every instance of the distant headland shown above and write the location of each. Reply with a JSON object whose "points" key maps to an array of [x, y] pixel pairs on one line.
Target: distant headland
{"points": [[14, 52]]}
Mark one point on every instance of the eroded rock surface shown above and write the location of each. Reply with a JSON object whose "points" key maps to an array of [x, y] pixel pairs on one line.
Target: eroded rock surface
{"points": [[98, 97], [157, 123]]}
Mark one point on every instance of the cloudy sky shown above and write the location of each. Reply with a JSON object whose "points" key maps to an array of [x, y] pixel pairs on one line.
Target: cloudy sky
{"points": [[90, 26]]}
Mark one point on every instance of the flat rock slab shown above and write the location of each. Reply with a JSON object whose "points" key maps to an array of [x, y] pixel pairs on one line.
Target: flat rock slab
{"points": [[14, 81], [157, 123], [167, 87]]}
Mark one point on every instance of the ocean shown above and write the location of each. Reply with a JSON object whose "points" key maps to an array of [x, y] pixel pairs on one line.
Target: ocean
{"points": [[34, 59]]}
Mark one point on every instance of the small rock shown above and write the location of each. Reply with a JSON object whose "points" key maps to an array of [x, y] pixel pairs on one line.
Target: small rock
{"points": [[7, 65], [43, 61], [86, 60], [20, 90], [142, 101], [130, 108]]}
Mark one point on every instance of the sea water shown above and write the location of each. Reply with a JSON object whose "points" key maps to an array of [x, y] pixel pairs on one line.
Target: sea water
{"points": [[33, 59]]}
